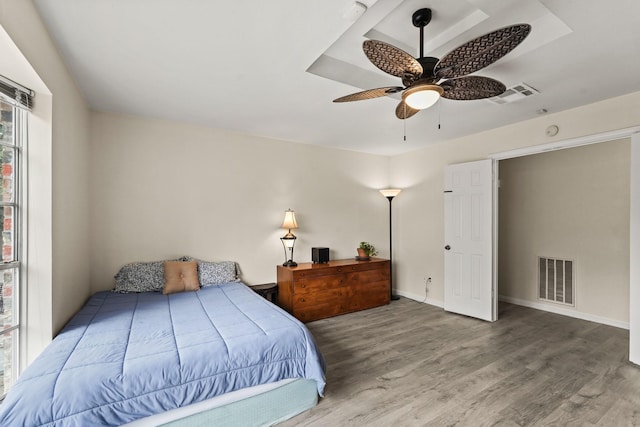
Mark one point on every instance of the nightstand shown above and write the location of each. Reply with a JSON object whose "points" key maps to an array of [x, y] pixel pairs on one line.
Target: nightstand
{"points": [[267, 290]]}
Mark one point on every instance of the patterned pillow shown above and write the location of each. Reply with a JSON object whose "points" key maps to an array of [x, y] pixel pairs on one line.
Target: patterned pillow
{"points": [[213, 273], [140, 277]]}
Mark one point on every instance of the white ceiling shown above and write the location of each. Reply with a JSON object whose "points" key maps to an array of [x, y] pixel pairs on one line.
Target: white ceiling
{"points": [[242, 65]]}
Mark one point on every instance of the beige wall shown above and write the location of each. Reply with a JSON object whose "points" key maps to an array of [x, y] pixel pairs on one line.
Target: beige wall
{"points": [[163, 189], [58, 155], [418, 216], [568, 204]]}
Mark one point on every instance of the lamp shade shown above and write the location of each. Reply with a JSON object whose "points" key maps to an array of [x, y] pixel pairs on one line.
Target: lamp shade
{"points": [[390, 192], [289, 220], [422, 96]]}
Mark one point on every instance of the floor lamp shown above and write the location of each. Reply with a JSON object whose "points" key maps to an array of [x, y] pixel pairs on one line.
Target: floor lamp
{"points": [[390, 193]]}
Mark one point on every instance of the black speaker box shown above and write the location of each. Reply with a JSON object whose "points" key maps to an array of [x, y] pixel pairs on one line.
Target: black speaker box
{"points": [[320, 255]]}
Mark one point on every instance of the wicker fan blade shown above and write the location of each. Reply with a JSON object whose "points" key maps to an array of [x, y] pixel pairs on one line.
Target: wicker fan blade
{"points": [[403, 111], [391, 60], [480, 52], [471, 87], [369, 94]]}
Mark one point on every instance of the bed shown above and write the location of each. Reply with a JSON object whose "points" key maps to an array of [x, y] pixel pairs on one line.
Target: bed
{"points": [[128, 356]]}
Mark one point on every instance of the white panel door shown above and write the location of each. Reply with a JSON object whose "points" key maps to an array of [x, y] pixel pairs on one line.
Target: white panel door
{"points": [[468, 235]]}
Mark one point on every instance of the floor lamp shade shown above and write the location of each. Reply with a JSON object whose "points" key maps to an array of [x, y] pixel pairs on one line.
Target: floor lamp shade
{"points": [[390, 193]]}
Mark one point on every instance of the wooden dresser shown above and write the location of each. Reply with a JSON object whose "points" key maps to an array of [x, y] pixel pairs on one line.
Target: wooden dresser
{"points": [[315, 291]]}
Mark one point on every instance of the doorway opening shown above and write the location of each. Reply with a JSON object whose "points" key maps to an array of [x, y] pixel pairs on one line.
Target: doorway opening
{"points": [[634, 214], [561, 205]]}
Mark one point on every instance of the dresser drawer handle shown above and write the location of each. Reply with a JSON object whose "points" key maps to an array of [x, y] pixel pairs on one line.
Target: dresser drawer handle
{"points": [[303, 286], [301, 299], [340, 270]]}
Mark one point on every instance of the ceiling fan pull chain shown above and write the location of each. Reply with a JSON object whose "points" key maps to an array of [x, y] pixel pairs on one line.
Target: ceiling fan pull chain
{"points": [[439, 110], [404, 122]]}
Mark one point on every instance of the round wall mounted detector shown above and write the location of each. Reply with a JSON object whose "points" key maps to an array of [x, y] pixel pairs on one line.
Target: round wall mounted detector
{"points": [[552, 130], [354, 11]]}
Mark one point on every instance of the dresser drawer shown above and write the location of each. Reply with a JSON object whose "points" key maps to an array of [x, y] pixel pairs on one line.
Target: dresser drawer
{"points": [[314, 272], [332, 297], [368, 295], [324, 270], [318, 305], [318, 284], [320, 311], [368, 276]]}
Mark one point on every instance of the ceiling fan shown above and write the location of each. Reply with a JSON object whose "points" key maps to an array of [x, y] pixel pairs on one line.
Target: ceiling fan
{"points": [[423, 77]]}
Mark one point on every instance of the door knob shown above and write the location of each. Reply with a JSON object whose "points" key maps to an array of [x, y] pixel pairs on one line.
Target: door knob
{"points": [[447, 247]]}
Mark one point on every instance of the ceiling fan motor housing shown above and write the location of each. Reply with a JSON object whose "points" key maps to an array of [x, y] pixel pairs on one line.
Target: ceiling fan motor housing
{"points": [[428, 65]]}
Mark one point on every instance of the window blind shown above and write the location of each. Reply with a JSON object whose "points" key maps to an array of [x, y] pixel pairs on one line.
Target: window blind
{"points": [[16, 93]]}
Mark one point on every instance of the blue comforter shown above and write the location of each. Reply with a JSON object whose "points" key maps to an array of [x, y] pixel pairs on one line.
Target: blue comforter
{"points": [[127, 356]]}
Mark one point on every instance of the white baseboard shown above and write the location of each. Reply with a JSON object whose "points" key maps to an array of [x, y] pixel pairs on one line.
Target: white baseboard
{"points": [[565, 312], [420, 298], [530, 304]]}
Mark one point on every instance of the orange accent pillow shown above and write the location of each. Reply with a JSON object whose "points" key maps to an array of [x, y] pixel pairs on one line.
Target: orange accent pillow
{"points": [[180, 276]]}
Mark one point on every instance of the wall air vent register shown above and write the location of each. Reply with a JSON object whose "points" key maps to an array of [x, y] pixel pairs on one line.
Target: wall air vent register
{"points": [[556, 280]]}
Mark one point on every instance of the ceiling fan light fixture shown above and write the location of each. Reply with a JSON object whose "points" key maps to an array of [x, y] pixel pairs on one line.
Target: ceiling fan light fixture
{"points": [[426, 78], [422, 96]]}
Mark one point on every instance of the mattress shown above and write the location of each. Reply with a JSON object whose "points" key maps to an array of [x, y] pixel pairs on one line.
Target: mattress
{"points": [[262, 405], [127, 356]]}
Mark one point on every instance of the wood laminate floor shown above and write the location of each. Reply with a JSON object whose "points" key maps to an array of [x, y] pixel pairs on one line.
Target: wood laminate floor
{"points": [[411, 364]]}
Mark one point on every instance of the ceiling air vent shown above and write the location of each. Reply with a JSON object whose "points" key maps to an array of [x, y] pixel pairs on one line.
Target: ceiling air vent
{"points": [[514, 93]]}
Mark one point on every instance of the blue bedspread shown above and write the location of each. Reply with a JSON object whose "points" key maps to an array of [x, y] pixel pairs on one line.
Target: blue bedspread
{"points": [[127, 356]]}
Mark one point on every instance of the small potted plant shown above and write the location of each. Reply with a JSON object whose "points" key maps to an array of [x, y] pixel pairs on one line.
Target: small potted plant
{"points": [[365, 251]]}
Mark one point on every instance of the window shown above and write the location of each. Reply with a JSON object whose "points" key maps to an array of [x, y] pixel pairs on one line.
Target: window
{"points": [[13, 120]]}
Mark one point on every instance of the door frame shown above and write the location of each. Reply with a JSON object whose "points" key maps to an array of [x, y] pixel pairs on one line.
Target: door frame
{"points": [[634, 224], [495, 215]]}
